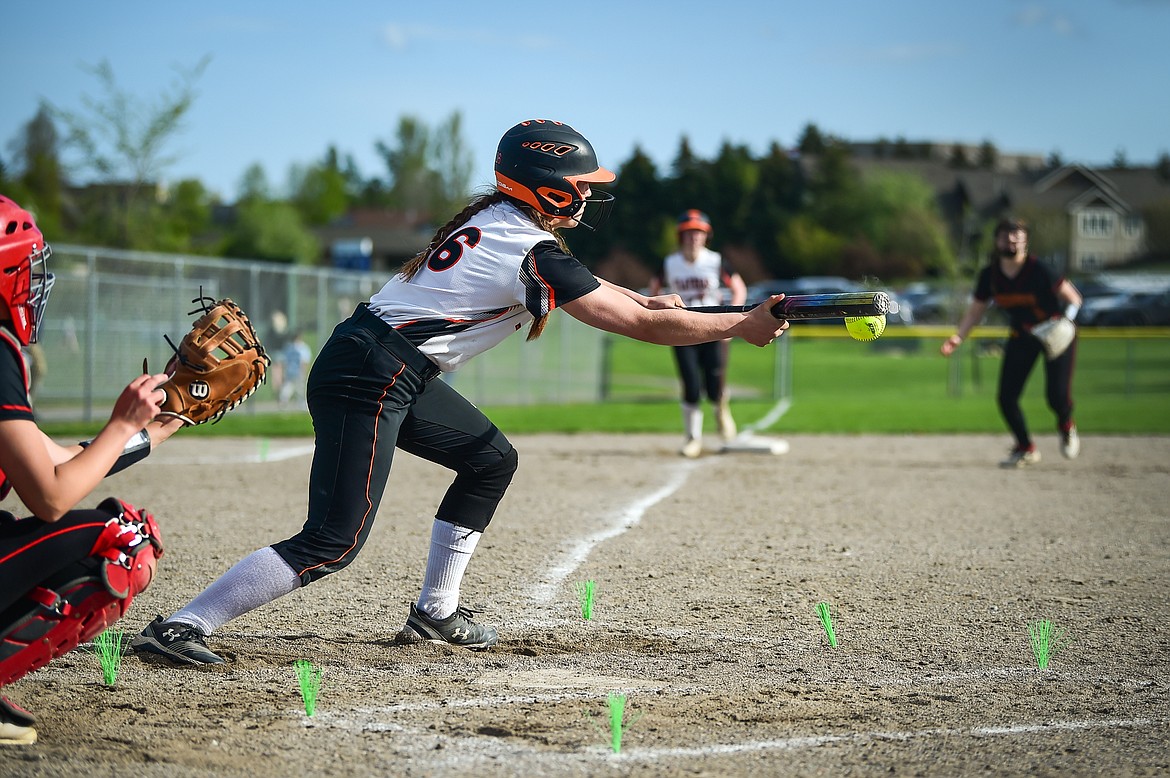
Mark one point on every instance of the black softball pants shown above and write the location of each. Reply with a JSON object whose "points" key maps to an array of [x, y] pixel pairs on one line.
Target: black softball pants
{"points": [[369, 392], [1019, 357], [701, 368], [32, 550]]}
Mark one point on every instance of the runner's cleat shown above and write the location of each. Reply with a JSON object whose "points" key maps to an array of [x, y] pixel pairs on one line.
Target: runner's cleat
{"points": [[1070, 443]]}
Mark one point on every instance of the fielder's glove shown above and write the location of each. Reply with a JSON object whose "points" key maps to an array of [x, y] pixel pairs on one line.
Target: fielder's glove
{"points": [[1055, 335], [216, 366]]}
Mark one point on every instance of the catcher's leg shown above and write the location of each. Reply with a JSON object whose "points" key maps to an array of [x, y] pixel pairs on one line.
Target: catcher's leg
{"points": [[88, 568]]}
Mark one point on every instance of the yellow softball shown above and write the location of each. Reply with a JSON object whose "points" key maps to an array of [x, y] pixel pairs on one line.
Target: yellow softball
{"points": [[865, 328]]}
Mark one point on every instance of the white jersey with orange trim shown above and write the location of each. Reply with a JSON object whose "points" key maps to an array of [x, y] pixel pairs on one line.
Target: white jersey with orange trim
{"points": [[490, 278], [698, 283]]}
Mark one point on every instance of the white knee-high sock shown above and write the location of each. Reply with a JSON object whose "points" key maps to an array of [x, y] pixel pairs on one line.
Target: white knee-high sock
{"points": [[255, 580], [692, 421], [451, 549]]}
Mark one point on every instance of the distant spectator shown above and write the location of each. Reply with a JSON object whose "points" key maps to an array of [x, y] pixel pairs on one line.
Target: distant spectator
{"points": [[295, 357]]}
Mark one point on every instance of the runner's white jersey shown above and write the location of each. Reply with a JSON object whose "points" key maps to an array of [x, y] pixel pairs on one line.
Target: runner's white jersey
{"points": [[698, 283], [490, 278]]}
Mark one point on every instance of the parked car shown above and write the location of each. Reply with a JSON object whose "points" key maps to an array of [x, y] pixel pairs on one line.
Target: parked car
{"points": [[1127, 309]]}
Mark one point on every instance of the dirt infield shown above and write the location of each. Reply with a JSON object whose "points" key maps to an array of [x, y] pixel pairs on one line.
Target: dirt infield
{"points": [[708, 574]]}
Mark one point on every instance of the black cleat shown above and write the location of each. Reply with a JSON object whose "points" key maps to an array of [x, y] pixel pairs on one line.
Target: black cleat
{"points": [[458, 629], [178, 642]]}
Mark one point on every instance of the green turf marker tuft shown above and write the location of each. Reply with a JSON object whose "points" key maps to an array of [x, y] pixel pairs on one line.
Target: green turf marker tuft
{"points": [[1046, 640], [585, 590], [617, 724], [310, 680], [264, 449], [827, 622], [109, 646]]}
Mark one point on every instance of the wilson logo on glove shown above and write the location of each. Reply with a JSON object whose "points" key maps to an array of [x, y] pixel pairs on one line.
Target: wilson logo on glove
{"points": [[216, 366]]}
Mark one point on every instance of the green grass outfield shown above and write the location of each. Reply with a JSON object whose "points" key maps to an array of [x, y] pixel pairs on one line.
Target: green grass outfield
{"points": [[896, 385]]}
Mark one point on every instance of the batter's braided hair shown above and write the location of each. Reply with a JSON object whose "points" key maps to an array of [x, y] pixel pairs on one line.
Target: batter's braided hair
{"points": [[485, 200]]}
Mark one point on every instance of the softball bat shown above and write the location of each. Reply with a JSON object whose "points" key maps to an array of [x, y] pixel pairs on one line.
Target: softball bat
{"points": [[800, 307]]}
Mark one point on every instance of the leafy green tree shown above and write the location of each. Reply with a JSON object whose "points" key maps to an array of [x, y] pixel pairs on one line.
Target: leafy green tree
{"points": [[808, 248], [775, 200], [320, 192], [1048, 231], [988, 156], [734, 178], [958, 158], [185, 218], [40, 185], [812, 141], [638, 223], [266, 228], [1162, 166], [429, 170], [690, 183], [123, 143]]}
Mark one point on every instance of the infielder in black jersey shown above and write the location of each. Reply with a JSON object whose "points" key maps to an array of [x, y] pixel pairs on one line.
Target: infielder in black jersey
{"points": [[1030, 294], [497, 267], [697, 275], [42, 614]]}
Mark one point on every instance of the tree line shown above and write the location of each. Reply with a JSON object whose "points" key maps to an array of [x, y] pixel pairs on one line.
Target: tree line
{"points": [[784, 213]]}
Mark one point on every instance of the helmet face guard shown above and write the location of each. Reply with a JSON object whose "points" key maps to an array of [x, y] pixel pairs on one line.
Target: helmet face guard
{"points": [[544, 163], [25, 282]]}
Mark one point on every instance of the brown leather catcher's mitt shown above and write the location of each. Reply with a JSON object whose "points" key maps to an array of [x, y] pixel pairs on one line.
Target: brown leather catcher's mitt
{"points": [[216, 366]]}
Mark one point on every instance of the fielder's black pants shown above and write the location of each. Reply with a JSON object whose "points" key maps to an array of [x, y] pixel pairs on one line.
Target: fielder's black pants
{"points": [[370, 391], [701, 368], [1019, 357]]}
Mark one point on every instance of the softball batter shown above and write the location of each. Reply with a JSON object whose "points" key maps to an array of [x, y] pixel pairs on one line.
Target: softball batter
{"points": [[497, 267]]}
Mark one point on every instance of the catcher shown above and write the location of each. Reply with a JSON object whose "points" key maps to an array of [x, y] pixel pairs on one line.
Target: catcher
{"points": [[65, 573], [1041, 307]]}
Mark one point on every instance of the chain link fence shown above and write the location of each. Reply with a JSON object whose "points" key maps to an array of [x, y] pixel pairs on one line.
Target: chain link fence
{"points": [[110, 309]]}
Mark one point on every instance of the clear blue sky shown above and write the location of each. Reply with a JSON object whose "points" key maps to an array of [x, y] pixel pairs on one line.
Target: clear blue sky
{"points": [[287, 79]]}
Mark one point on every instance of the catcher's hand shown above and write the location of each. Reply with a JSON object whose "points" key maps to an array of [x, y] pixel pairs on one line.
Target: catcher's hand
{"points": [[216, 366], [1055, 335]]}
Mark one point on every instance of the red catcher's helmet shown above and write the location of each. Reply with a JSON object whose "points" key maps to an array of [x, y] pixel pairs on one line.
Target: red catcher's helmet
{"points": [[694, 220], [541, 162], [24, 281]]}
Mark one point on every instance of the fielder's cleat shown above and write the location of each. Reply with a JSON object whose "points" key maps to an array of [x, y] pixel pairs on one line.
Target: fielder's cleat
{"points": [[178, 642], [16, 725], [1021, 457], [1070, 443], [458, 629], [692, 448]]}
